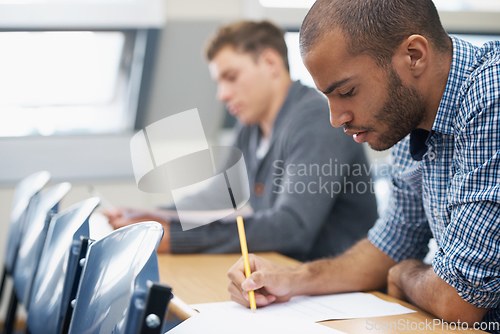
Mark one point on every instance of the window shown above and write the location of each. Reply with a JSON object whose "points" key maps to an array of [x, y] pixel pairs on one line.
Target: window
{"points": [[73, 85], [75, 67], [298, 71], [69, 82]]}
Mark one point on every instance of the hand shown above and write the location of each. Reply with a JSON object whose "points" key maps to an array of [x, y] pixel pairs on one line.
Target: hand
{"points": [[120, 217], [271, 282]]}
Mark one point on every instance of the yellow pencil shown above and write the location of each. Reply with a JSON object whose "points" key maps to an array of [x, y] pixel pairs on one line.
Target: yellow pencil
{"points": [[246, 262]]}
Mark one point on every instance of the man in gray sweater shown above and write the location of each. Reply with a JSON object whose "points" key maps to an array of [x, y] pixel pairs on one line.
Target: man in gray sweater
{"points": [[311, 194]]}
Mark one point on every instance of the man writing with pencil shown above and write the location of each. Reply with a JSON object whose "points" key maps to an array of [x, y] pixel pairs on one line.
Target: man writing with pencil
{"points": [[394, 78], [290, 152], [246, 261]]}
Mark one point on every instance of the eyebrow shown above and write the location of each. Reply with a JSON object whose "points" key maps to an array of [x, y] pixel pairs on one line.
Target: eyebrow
{"points": [[335, 85]]}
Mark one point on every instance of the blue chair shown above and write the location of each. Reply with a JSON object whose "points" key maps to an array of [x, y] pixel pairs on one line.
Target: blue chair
{"points": [[118, 291], [58, 266], [42, 207]]}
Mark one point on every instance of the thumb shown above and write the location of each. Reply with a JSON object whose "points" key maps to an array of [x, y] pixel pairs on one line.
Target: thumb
{"points": [[253, 282]]}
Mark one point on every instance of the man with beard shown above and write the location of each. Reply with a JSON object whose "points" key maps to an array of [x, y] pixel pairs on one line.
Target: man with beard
{"points": [[394, 78]]}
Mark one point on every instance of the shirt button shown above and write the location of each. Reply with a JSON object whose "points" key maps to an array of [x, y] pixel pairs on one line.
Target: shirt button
{"points": [[435, 212], [259, 189], [431, 155]]}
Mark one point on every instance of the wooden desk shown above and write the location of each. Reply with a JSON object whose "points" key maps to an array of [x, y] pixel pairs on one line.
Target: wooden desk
{"points": [[202, 278]]}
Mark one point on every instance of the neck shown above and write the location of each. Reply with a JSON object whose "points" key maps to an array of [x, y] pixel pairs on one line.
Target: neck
{"points": [[436, 91], [280, 92]]}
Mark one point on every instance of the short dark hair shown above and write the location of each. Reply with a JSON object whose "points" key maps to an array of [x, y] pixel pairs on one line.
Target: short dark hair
{"points": [[250, 37], [374, 27]]}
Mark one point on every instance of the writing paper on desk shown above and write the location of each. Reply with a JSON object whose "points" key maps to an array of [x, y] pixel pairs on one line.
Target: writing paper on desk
{"points": [[248, 323], [319, 308]]}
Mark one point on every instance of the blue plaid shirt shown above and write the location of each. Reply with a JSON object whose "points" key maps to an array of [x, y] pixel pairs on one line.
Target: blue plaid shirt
{"points": [[453, 192]]}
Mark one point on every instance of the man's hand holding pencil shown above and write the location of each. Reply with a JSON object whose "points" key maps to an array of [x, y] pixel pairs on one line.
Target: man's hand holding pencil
{"points": [[270, 282]]}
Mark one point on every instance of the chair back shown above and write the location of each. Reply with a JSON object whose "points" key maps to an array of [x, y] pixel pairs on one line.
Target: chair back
{"points": [[55, 275], [118, 272], [24, 191], [44, 205]]}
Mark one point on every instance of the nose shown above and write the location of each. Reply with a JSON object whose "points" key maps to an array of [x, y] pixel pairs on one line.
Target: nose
{"points": [[223, 92], [339, 115]]}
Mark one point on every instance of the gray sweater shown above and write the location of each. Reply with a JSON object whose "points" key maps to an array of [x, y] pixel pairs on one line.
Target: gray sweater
{"points": [[310, 193]]}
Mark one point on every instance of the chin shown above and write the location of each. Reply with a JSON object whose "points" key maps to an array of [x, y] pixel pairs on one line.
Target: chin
{"points": [[246, 121], [382, 146], [379, 148]]}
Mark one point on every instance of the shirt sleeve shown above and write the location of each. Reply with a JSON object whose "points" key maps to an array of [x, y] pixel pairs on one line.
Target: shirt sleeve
{"points": [[403, 231], [470, 249]]}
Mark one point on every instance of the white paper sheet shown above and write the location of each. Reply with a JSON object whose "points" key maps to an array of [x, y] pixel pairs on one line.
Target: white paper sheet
{"points": [[318, 308], [229, 322]]}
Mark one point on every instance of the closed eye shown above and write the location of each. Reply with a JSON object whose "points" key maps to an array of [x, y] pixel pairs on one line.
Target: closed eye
{"points": [[349, 93], [230, 76]]}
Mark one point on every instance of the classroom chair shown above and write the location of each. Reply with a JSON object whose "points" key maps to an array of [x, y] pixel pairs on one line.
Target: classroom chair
{"points": [[24, 191], [119, 291], [41, 209], [58, 270]]}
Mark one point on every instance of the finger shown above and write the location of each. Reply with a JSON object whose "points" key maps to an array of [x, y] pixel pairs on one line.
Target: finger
{"points": [[237, 272], [236, 276], [237, 296], [254, 282], [241, 297], [254, 261], [240, 301], [118, 222], [256, 279], [264, 300], [113, 223], [108, 214], [112, 217]]}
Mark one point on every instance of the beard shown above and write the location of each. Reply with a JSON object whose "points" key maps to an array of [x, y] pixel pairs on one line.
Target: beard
{"points": [[402, 112]]}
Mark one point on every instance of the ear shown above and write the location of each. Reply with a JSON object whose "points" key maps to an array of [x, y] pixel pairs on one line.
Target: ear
{"points": [[412, 56], [272, 60]]}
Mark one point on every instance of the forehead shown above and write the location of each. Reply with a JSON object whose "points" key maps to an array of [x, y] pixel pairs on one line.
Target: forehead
{"points": [[228, 58], [329, 61], [328, 42]]}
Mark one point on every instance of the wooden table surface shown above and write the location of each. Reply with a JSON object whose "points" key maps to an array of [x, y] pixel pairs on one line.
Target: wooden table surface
{"points": [[202, 278]]}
